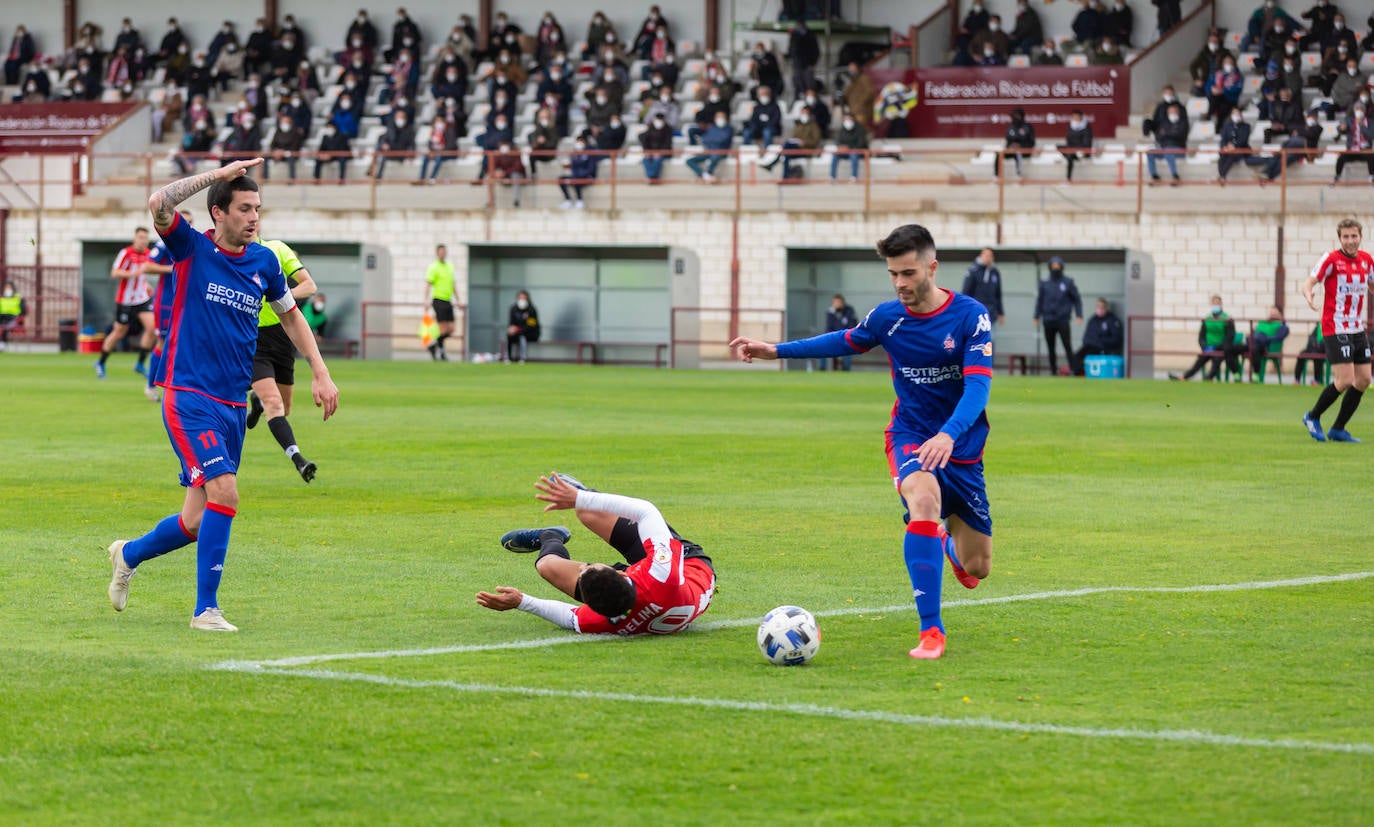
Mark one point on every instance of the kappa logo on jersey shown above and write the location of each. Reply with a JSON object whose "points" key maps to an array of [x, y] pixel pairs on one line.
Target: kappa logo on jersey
{"points": [[195, 473], [984, 324], [949, 342]]}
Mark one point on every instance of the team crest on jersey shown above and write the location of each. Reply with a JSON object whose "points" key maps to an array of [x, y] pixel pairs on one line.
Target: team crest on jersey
{"points": [[257, 279], [949, 342]]}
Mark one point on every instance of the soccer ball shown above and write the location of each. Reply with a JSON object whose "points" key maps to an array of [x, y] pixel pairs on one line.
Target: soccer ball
{"points": [[788, 636]]}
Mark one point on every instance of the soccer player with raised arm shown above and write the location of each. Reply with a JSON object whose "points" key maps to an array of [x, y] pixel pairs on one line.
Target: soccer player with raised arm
{"points": [[1346, 276], [939, 344], [665, 583], [274, 363], [222, 278]]}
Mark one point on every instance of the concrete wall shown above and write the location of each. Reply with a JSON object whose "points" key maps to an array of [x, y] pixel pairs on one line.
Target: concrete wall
{"points": [[1183, 251]]}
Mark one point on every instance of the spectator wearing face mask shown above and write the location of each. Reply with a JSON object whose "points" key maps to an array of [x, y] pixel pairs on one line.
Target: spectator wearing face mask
{"points": [[285, 57], [399, 137], [1167, 99], [1359, 141], [859, 94], [1118, 23], [357, 56], [851, 138], [222, 38], [766, 71], [1234, 144], [1271, 47], [601, 107], [716, 141], [296, 108], [361, 33], [990, 42], [1087, 24], [1321, 18], [503, 33], [258, 49], [1171, 141], [1078, 142], [596, 33], [335, 148], [765, 122], [1368, 43], [664, 105], [502, 107], [579, 171], [805, 142], [1047, 55], [244, 141], [291, 31], [556, 83], [1348, 85], [1264, 21], [171, 42], [179, 64], [498, 131], [820, 112], [657, 142], [1027, 31], [129, 37], [715, 103], [975, 21], [1285, 115], [611, 137], [1020, 137], [608, 83], [305, 84], [197, 140], [285, 146], [315, 315], [507, 168], [405, 34], [345, 118], [36, 86], [1207, 62], [1332, 66], [404, 78], [648, 30], [441, 145], [228, 66], [201, 77], [549, 39], [543, 142], [1106, 53]]}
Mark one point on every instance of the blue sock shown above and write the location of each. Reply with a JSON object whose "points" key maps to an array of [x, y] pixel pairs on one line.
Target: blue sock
{"points": [[210, 552], [167, 535], [925, 565], [948, 544]]}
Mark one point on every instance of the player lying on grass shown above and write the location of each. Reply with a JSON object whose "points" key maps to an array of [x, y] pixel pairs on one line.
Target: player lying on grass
{"points": [[665, 583]]}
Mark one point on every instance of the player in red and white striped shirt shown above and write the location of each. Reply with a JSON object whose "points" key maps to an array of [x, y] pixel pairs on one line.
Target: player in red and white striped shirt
{"points": [[133, 298], [1346, 276], [665, 583]]}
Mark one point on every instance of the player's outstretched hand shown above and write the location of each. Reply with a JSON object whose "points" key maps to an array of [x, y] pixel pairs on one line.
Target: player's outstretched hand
{"points": [[326, 395], [558, 494], [237, 168], [505, 599], [751, 349]]}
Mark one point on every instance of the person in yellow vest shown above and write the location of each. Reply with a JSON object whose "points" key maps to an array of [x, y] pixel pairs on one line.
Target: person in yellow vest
{"points": [[439, 296], [274, 364], [12, 309]]}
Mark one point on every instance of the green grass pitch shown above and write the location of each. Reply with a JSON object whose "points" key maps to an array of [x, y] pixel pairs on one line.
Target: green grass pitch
{"points": [[1093, 679]]}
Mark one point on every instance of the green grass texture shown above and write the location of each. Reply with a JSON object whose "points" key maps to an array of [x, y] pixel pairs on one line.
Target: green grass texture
{"points": [[1176, 630]]}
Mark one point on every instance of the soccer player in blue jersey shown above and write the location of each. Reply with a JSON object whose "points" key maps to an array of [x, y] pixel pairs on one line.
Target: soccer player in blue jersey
{"points": [[939, 344], [159, 264], [222, 278]]}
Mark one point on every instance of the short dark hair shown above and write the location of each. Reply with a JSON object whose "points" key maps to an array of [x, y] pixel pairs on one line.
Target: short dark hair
{"points": [[905, 239], [606, 591], [138, 230], [222, 193]]}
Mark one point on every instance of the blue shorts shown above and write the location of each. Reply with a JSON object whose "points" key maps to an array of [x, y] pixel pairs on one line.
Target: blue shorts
{"points": [[963, 492], [206, 435]]}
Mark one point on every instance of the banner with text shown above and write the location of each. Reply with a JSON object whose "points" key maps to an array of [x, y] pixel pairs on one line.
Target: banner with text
{"points": [[56, 127], [954, 102]]}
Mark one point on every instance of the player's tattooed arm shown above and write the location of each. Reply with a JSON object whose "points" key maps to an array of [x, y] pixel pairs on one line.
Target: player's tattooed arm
{"points": [[163, 203]]}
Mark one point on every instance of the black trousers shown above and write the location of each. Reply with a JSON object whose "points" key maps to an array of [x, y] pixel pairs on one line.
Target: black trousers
{"points": [[1059, 329]]}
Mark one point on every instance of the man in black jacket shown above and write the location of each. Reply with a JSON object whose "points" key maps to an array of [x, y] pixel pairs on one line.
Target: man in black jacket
{"points": [[1171, 140], [1057, 300], [1078, 141], [1102, 336], [1020, 140], [805, 52], [984, 283]]}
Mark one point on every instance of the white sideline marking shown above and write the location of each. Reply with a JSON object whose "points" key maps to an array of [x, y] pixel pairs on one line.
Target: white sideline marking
{"points": [[285, 666], [306, 660], [1174, 735]]}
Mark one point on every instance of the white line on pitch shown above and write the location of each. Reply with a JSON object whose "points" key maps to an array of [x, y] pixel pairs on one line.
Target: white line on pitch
{"points": [[305, 660], [1186, 736]]}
